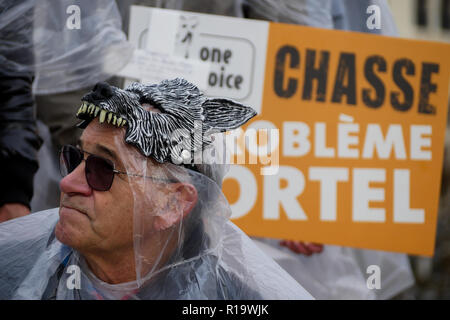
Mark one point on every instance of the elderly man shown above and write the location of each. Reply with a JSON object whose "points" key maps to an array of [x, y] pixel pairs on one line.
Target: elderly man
{"points": [[142, 215]]}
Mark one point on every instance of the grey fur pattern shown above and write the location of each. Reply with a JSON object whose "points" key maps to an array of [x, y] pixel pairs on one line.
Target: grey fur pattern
{"points": [[179, 131]]}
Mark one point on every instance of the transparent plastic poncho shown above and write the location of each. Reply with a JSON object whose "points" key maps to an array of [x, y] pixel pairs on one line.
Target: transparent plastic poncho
{"points": [[314, 13], [343, 273], [199, 256], [67, 44]]}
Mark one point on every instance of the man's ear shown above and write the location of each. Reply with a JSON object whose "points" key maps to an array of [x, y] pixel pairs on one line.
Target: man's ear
{"points": [[183, 198]]}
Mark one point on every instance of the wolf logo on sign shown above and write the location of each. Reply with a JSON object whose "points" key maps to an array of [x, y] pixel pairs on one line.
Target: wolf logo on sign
{"points": [[185, 35]]}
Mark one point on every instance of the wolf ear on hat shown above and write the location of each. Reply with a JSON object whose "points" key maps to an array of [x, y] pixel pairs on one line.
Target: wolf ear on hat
{"points": [[224, 114]]}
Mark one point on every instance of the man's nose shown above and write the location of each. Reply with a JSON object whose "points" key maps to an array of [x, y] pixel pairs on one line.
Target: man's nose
{"points": [[75, 182]]}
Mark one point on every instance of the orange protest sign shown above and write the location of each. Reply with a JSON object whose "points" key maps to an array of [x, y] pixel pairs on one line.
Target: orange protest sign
{"points": [[347, 147], [354, 148]]}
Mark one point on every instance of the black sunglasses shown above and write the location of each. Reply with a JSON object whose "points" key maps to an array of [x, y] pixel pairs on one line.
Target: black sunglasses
{"points": [[99, 171]]}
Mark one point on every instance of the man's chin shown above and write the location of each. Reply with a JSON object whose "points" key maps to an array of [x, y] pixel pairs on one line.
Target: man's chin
{"points": [[68, 234], [62, 235]]}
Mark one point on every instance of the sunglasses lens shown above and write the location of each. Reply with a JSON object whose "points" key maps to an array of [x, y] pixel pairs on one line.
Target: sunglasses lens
{"points": [[69, 159], [99, 173]]}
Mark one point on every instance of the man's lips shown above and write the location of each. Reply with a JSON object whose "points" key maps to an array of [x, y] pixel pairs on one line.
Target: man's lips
{"points": [[71, 207]]}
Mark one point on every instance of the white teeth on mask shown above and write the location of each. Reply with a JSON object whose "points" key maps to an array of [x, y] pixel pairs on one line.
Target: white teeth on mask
{"points": [[109, 117], [94, 111], [102, 116]]}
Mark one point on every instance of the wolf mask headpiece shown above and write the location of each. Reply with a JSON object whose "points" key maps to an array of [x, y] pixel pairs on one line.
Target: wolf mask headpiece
{"points": [[162, 135]]}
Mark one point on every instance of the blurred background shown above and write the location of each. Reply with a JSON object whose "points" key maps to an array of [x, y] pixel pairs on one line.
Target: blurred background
{"points": [[422, 19], [66, 66], [430, 20]]}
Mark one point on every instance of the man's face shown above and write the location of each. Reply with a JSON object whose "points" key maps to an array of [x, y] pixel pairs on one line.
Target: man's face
{"points": [[97, 221]]}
